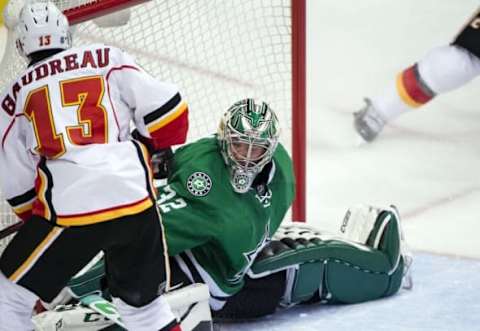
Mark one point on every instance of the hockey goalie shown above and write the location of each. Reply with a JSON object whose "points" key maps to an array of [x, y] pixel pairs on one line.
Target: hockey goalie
{"points": [[222, 205]]}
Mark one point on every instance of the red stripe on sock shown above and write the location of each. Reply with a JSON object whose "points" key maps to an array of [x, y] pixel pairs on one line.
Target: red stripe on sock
{"points": [[413, 87]]}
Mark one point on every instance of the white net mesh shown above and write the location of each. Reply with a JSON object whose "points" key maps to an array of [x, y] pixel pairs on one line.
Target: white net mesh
{"points": [[217, 52]]}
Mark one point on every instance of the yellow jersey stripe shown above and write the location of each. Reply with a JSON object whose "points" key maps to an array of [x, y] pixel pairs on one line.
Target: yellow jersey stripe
{"points": [[146, 158], [42, 194], [105, 215], [23, 208], [170, 117]]}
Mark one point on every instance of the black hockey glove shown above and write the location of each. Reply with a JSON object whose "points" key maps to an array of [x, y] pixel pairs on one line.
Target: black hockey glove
{"points": [[161, 159], [162, 162]]}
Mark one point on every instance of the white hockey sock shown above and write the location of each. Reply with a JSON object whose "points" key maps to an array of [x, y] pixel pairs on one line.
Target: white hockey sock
{"points": [[389, 104], [154, 316], [16, 306], [441, 70]]}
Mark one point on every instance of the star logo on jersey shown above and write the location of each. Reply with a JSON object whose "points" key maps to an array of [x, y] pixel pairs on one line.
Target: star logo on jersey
{"points": [[199, 184], [251, 255], [264, 197]]}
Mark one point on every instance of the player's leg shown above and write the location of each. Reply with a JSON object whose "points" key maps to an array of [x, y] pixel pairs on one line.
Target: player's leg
{"points": [[38, 263], [137, 272], [304, 265], [16, 305], [441, 70], [189, 302]]}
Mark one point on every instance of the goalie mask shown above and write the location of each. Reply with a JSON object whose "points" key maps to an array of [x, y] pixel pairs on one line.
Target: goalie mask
{"points": [[42, 26], [248, 136]]}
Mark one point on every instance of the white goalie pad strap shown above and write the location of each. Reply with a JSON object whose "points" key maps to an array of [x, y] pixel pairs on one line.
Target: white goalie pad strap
{"points": [[380, 231], [289, 285], [61, 299], [190, 306], [358, 223]]}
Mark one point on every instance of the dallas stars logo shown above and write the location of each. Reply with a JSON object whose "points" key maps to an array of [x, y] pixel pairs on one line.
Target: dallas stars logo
{"points": [[251, 255], [199, 184]]}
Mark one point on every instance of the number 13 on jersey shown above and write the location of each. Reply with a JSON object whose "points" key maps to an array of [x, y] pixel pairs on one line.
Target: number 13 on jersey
{"points": [[92, 123]]}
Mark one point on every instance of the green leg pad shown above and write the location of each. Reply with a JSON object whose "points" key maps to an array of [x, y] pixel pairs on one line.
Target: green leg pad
{"points": [[346, 283], [307, 281], [89, 282]]}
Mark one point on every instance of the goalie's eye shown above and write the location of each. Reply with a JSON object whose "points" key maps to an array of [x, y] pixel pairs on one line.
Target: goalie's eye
{"points": [[242, 151]]}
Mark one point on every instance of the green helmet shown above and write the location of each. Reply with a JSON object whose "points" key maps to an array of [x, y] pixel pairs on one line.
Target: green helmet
{"points": [[248, 136]]}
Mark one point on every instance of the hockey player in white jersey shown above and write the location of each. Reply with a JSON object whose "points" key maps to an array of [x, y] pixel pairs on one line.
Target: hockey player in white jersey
{"points": [[441, 70], [73, 172]]}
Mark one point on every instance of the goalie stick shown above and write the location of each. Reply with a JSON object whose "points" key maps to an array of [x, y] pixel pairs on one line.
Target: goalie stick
{"points": [[11, 229]]}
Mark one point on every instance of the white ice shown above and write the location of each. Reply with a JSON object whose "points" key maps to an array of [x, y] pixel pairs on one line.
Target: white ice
{"points": [[426, 162]]}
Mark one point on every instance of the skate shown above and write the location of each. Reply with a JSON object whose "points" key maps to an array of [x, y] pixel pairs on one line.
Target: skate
{"points": [[368, 122]]}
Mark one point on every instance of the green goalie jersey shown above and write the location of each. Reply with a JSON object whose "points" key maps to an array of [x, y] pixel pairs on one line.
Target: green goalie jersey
{"points": [[221, 230]]}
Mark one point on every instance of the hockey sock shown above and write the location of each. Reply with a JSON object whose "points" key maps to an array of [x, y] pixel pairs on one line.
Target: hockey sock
{"points": [[441, 70], [156, 315], [16, 306]]}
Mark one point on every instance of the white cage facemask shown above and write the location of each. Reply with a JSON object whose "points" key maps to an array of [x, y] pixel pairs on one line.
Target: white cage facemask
{"points": [[248, 135]]}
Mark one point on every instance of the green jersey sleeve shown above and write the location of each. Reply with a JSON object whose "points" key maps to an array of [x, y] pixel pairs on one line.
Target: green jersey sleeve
{"points": [[187, 202]]}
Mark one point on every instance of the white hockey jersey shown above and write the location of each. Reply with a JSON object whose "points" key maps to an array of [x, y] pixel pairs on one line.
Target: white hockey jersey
{"points": [[66, 151]]}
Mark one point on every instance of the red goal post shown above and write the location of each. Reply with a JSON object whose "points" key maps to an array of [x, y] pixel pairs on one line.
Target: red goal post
{"points": [[217, 52]]}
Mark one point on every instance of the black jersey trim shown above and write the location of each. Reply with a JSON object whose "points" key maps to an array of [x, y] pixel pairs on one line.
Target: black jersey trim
{"points": [[48, 192], [143, 161], [168, 106], [22, 198]]}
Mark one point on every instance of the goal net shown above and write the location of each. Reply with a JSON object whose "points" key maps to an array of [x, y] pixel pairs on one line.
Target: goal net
{"points": [[217, 52]]}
